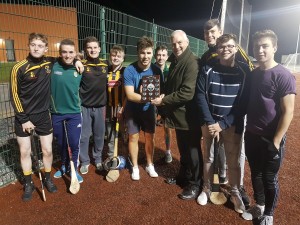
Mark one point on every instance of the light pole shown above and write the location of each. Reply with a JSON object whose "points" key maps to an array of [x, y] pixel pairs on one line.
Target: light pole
{"points": [[297, 48]]}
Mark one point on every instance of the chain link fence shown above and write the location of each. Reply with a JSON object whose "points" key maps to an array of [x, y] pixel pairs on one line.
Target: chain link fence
{"points": [[58, 20]]}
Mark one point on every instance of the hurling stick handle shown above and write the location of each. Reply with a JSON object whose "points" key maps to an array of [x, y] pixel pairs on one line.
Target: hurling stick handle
{"points": [[36, 153], [116, 138], [216, 155], [74, 186]]}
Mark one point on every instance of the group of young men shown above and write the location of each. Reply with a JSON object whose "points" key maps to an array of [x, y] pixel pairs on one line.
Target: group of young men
{"points": [[204, 98], [51, 95]]}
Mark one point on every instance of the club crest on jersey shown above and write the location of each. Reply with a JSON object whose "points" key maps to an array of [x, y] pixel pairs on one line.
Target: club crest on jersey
{"points": [[88, 69], [103, 69], [48, 71], [75, 74], [32, 75]]}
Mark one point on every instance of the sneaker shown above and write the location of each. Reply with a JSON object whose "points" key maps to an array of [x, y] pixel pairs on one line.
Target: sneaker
{"points": [[253, 212], [168, 158], [151, 171], [79, 178], [28, 189], [99, 166], [61, 172], [203, 197], [236, 199], [223, 180], [245, 197], [265, 220], [135, 175], [50, 185], [84, 169]]}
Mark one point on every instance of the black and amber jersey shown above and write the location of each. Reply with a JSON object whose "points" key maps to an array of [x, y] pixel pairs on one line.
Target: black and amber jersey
{"points": [[115, 87], [30, 86], [93, 83], [210, 57]]}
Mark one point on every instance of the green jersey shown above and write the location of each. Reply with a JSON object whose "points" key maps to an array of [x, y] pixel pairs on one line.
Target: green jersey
{"points": [[65, 81]]}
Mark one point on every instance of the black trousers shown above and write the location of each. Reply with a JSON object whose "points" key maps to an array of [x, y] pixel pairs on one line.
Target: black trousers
{"points": [[264, 161], [191, 159]]}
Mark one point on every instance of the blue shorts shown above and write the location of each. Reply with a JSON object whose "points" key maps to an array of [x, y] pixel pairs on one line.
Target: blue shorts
{"points": [[140, 120]]}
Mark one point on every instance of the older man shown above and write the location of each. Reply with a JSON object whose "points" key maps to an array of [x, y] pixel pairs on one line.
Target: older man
{"points": [[181, 115]]}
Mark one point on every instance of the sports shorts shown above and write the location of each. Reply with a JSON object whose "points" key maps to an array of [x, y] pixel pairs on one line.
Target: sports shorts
{"points": [[41, 121], [140, 120]]}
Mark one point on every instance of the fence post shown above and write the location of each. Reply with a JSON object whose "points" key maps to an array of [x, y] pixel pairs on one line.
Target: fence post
{"points": [[102, 32]]}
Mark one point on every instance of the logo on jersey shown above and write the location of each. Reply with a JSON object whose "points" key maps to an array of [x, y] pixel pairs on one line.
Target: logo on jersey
{"points": [[88, 69], [32, 76], [48, 71], [75, 74], [58, 73], [103, 69]]}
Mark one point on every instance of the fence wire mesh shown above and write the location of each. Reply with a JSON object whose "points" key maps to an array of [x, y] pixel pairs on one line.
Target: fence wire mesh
{"points": [[58, 20]]}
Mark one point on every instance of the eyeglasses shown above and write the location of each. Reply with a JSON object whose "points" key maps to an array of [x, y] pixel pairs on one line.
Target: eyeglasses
{"points": [[223, 47]]}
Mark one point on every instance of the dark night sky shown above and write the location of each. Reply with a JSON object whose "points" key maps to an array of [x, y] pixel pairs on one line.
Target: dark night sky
{"points": [[282, 16]]}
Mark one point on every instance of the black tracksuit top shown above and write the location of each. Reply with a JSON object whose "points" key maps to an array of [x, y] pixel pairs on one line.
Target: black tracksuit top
{"points": [[30, 86]]}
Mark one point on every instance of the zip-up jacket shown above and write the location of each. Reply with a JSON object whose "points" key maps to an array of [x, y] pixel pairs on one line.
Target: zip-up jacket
{"points": [[93, 83], [30, 86]]}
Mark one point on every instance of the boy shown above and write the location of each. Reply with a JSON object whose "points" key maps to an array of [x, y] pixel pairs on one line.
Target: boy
{"points": [[161, 56], [212, 31], [273, 93], [65, 106], [30, 98], [93, 100], [139, 115], [221, 95], [116, 94]]}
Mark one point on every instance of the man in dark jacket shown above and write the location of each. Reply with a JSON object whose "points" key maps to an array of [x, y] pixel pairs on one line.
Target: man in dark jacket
{"points": [[177, 102]]}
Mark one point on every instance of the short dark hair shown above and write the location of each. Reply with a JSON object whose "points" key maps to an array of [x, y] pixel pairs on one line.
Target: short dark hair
{"points": [[66, 42], [211, 23], [90, 39], [116, 49], [38, 36], [265, 34], [226, 37], [144, 42], [160, 47]]}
